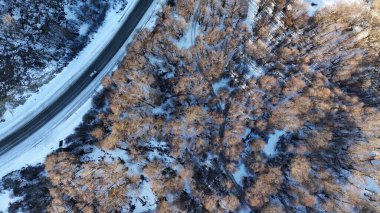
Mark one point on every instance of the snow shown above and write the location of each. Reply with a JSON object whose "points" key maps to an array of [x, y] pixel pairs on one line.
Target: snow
{"points": [[16, 15], [158, 111], [372, 185], [312, 9], [254, 71], [246, 133], [270, 147], [192, 31], [95, 154], [6, 197], [188, 38], [35, 149], [240, 174], [366, 183], [253, 7], [151, 21], [156, 154], [222, 83], [69, 14], [328, 3], [145, 193], [84, 29], [245, 209]]}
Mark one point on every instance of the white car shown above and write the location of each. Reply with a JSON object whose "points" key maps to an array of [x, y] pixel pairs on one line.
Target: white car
{"points": [[94, 73]]}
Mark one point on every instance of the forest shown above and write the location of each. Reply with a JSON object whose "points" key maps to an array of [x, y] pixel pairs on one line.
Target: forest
{"points": [[184, 124]]}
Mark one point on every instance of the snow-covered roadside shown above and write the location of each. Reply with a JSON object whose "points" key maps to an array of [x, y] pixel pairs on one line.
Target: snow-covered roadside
{"points": [[112, 23], [315, 5]]}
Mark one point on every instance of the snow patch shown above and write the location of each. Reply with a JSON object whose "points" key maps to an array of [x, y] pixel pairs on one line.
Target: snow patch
{"points": [[253, 8], [84, 29], [240, 174], [95, 154], [316, 5], [69, 14], [221, 84], [188, 38], [158, 111], [246, 133], [254, 71], [366, 184], [270, 147], [151, 21], [245, 209], [192, 31], [6, 197], [158, 147], [372, 185], [145, 200]]}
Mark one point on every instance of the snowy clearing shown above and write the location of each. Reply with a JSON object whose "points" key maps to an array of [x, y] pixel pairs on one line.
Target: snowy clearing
{"points": [[188, 39], [270, 147]]}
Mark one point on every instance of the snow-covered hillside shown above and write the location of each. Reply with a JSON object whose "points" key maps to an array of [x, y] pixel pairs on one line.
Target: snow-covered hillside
{"points": [[39, 38]]}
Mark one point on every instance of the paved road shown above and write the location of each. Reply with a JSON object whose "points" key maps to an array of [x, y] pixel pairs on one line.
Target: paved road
{"points": [[20, 134]]}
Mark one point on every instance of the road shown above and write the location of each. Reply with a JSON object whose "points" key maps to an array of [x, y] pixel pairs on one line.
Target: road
{"points": [[35, 123]]}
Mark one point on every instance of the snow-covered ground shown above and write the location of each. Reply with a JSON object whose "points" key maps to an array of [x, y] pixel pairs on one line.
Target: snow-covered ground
{"points": [[241, 172], [319, 4], [252, 12], [5, 198], [270, 147]]}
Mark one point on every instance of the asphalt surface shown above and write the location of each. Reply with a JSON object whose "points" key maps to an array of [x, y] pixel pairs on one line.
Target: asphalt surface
{"points": [[22, 133]]}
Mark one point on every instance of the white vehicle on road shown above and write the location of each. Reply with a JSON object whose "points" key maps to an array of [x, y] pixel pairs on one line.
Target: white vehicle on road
{"points": [[94, 73]]}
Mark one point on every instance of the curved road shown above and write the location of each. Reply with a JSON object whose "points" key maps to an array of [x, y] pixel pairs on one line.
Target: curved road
{"points": [[20, 134]]}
